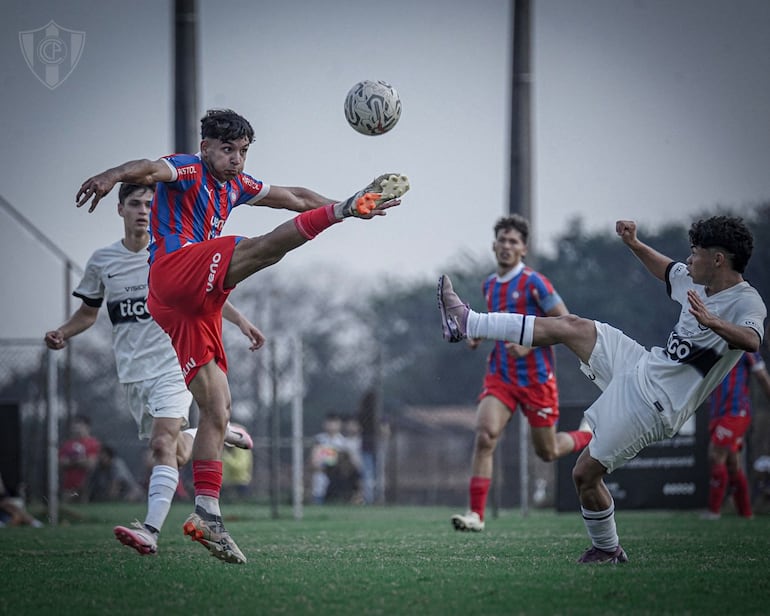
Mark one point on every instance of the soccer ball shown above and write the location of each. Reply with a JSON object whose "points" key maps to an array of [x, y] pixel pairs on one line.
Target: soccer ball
{"points": [[372, 107]]}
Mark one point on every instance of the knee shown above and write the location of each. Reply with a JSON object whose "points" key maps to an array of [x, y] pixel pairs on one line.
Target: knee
{"points": [[163, 445], [485, 440], [584, 477], [217, 416], [215, 406]]}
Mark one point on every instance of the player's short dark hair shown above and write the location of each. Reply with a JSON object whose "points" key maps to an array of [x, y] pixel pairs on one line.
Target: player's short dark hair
{"points": [[728, 233], [127, 188], [514, 221], [225, 125]]}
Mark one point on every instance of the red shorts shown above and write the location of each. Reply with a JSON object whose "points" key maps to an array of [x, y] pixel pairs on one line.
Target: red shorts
{"points": [[186, 295], [727, 432], [539, 402]]}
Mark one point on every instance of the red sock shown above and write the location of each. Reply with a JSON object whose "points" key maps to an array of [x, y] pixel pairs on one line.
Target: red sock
{"points": [[479, 489], [741, 494], [312, 222], [717, 487], [581, 438], [207, 477]]}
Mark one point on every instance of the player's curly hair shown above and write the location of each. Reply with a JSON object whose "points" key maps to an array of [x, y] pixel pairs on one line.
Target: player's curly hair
{"points": [[728, 233], [514, 221], [225, 125]]}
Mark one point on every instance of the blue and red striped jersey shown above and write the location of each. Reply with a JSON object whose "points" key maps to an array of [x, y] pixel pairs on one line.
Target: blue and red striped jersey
{"points": [[732, 397], [513, 293], [195, 205]]}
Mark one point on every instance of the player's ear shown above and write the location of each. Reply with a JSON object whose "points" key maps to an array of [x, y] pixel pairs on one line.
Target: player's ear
{"points": [[120, 209]]}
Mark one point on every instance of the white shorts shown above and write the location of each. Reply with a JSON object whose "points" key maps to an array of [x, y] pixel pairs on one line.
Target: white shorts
{"points": [[164, 396], [622, 420]]}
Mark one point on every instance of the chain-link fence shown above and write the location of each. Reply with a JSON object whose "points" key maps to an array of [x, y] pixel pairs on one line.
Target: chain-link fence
{"points": [[423, 452]]}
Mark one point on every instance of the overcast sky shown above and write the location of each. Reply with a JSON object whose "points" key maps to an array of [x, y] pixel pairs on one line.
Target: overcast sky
{"points": [[652, 110]]}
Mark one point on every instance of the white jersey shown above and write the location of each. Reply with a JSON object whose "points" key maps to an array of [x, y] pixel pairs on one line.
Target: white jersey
{"points": [[679, 377], [142, 349]]}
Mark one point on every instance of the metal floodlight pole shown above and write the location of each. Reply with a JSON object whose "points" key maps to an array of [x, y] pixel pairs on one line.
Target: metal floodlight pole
{"points": [[185, 76], [53, 437], [275, 435], [521, 174], [297, 430], [521, 135]]}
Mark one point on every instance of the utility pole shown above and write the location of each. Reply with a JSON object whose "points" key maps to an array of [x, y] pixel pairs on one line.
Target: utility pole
{"points": [[185, 76], [521, 179], [521, 135]]}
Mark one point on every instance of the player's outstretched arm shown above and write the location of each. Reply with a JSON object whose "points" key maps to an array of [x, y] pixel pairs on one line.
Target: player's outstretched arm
{"points": [[83, 318], [654, 261], [248, 329], [294, 198], [141, 171]]}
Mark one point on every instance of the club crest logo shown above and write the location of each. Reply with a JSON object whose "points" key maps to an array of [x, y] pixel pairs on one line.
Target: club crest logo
{"points": [[52, 52]]}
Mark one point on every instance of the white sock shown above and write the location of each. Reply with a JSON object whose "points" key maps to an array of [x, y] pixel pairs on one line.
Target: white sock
{"points": [[209, 503], [511, 327], [160, 493], [601, 528]]}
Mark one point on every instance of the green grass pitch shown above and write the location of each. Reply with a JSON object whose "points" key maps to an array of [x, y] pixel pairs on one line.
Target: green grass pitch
{"points": [[389, 560]]}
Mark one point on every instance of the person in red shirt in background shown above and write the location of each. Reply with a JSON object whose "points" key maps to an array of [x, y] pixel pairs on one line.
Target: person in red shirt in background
{"points": [[729, 419], [77, 458]]}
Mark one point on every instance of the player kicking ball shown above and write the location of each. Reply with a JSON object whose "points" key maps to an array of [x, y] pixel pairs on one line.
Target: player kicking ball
{"points": [[193, 269], [646, 395], [147, 366]]}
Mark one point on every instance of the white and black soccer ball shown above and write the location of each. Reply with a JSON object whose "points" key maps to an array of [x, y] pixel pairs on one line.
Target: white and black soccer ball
{"points": [[372, 107]]}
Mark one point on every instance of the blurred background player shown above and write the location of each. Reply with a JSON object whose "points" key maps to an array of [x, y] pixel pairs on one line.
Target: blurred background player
{"points": [[112, 480], [193, 270], [78, 456], [729, 419], [324, 455], [147, 365], [516, 376]]}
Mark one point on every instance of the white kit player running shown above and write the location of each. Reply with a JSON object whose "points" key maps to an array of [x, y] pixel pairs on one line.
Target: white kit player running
{"points": [[646, 395], [147, 364]]}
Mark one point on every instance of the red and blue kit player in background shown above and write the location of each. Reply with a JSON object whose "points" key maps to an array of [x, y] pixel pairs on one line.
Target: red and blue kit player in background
{"points": [[517, 377], [193, 270], [729, 419]]}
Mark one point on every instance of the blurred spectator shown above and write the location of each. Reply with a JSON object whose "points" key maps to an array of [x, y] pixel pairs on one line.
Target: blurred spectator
{"points": [[237, 466], [13, 511], [77, 459], [344, 480], [325, 455], [367, 421], [112, 480], [351, 430]]}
